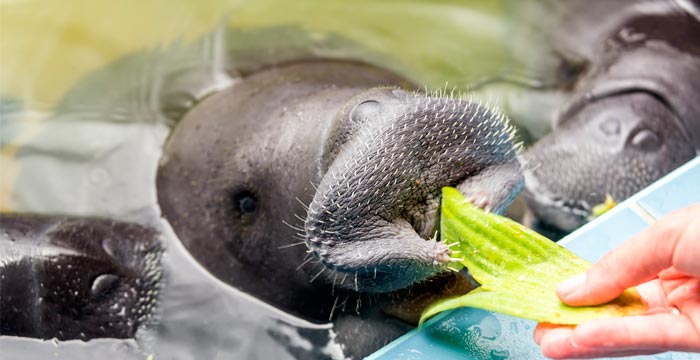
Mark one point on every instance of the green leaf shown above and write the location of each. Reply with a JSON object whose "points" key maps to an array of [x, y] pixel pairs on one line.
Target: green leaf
{"points": [[518, 269], [603, 207]]}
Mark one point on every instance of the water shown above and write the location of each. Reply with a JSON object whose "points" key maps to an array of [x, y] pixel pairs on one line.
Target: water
{"points": [[90, 91], [97, 155]]}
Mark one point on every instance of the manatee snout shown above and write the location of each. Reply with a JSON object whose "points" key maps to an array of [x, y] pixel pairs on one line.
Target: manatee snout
{"points": [[633, 115], [323, 154], [614, 145], [374, 218]]}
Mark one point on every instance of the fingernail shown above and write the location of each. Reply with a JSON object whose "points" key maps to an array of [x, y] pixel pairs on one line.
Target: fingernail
{"points": [[570, 286]]}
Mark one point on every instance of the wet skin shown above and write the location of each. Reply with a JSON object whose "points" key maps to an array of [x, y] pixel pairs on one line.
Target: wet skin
{"points": [[76, 278], [633, 116], [307, 185], [312, 178]]}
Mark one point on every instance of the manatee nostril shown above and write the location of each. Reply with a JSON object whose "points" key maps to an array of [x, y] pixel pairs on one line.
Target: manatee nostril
{"points": [[364, 110], [398, 93], [103, 284], [245, 202], [646, 140], [610, 126]]}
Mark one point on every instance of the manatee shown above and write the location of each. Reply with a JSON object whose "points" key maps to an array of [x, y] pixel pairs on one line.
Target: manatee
{"points": [[313, 179], [76, 278], [633, 114]]}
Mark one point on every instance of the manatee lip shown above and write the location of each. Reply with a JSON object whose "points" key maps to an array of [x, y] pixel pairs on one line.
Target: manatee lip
{"points": [[375, 213], [564, 213]]}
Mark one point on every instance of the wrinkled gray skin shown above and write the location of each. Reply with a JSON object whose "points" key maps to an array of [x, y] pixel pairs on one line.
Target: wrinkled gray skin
{"points": [[633, 116], [243, 166], [389, 154]]}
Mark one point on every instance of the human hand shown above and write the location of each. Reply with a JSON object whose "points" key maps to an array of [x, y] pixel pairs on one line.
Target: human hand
{"points": [[665, 260]]}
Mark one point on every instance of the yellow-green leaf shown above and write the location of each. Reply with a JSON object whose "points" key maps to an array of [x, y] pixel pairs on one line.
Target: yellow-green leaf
{"points": [[603, 207], [518, 269]]}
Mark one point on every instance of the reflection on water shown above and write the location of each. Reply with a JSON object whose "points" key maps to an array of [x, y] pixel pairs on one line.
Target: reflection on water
{"points": [[90, 92], [97, 156]]}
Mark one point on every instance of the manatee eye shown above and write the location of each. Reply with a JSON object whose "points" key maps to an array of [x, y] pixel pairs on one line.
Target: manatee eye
{"points": [[245, 202], [364, 110], [646, 140]]}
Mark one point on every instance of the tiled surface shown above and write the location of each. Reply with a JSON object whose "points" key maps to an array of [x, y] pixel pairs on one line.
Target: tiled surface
{"points": [[673, 193], [476, 334], [607, 234]]}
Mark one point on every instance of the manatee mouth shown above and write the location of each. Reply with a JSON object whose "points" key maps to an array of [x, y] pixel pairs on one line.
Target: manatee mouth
{"points": [[563, 213], [375, 214], [556, 209]]}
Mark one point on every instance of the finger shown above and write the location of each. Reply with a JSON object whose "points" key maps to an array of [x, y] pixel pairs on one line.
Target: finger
{"points": [[543, 328], [557, 350], [637, 260], [682, 291], [558, 345], [622, 336]]}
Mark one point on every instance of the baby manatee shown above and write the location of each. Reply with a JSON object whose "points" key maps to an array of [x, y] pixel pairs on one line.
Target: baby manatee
{"points": [[334, 155], [633, 115]]}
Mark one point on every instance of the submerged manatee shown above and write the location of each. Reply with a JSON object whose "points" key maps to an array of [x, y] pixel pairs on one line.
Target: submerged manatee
{"points": [[333, 155], [633, 116], [76, 278]]}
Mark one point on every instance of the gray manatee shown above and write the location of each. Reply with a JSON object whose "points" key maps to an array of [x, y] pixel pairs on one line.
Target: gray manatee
{"points": [[312, 185], [632, 116], [310, 179], [77, 278]]}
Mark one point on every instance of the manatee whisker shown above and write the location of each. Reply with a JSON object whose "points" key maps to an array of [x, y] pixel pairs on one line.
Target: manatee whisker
{"points": [[451, 245], [306, 207], [335, 279], [330, 317], [315, 186], [293, 226], [292, 245], [456, 259], [304, 263], [317, 275], [345, 302], [452, 269], [299, 217]]}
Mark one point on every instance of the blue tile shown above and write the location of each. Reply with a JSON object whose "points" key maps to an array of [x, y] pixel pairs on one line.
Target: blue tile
{"points": [[605, 233], [675, 192], [475, 334], [469, 334]]}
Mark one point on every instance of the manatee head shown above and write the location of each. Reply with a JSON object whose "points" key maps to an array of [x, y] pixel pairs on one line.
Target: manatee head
{"points": [[375, 214], [77, 278], [616, 145], [636, 118], [334, 156]]}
